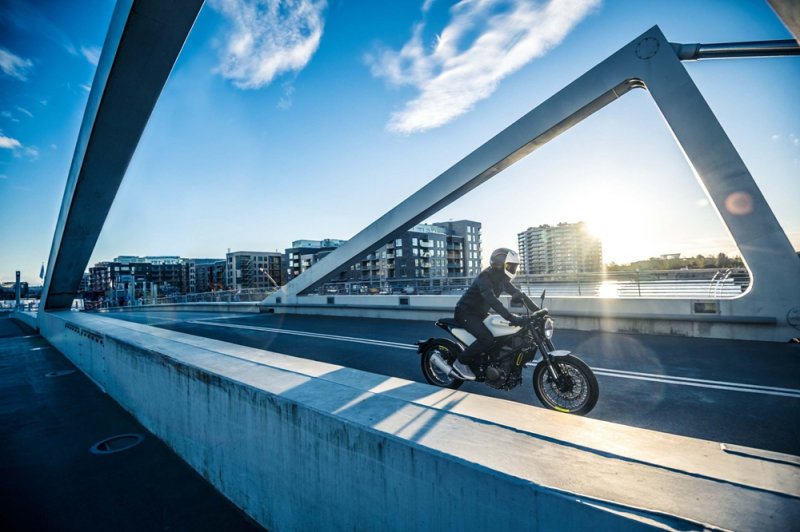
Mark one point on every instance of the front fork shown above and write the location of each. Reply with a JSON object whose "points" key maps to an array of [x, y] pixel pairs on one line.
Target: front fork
{"points": [[548, 351]]}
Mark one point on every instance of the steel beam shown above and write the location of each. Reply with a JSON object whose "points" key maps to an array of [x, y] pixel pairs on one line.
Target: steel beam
{"points": [[649, 62], [692, 52], [142, 44]]}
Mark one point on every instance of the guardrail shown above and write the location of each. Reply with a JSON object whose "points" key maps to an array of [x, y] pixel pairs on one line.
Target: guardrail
{"points": [[726, 283], [219, 296], [668, 284]]}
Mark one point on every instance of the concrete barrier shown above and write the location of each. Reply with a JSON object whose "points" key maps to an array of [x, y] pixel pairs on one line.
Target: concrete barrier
{"points": [[303, 445], [680, 317], [677, 317]]}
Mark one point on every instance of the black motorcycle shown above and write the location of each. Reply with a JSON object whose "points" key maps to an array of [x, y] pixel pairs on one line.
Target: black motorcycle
{"points": [[561, 380]]}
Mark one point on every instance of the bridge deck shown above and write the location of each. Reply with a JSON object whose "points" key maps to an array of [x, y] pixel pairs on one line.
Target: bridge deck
{"points": [[50, 480]]}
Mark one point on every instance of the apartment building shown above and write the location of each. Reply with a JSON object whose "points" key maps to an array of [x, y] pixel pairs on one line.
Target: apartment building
{"points": [[253, 269], [564, 248], [305, 253]]}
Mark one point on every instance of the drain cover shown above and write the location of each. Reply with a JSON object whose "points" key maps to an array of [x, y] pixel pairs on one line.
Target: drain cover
{"points": [[115, 444], [60, 373]]}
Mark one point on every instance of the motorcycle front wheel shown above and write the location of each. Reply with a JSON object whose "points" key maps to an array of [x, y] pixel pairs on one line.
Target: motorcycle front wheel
{"points": [[575, 391], [448, 352]]}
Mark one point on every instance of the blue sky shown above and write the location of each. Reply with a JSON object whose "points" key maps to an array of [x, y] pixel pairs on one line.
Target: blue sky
{"points": [[281, 124]]}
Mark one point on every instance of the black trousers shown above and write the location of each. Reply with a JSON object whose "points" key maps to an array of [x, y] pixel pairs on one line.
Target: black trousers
{"points": [[473, 323]]}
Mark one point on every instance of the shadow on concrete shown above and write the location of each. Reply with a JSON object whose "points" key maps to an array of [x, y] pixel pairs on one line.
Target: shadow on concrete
{"points": [[49, 480]]}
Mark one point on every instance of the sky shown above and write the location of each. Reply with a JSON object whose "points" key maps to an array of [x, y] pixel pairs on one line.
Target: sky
{"points": [[308, 119]]}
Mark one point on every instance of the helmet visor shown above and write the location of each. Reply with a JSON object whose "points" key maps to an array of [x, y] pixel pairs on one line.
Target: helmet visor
{"points": [[511, 267]]}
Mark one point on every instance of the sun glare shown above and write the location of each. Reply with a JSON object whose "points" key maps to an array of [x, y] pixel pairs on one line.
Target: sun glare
{"points": [[620, 222]]}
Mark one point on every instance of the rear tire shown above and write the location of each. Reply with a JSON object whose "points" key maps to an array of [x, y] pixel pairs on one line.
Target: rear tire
{"points": [[575, 392], [449, 353]]}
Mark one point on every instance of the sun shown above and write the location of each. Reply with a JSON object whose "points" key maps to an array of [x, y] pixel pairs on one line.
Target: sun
{"points": [[619, 221]]}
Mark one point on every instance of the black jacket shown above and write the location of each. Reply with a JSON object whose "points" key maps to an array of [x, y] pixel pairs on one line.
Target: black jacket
{"points": [[482, 294]]}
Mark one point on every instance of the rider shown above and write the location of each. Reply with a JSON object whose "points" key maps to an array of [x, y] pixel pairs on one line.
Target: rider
{"points": [[473, 307]]}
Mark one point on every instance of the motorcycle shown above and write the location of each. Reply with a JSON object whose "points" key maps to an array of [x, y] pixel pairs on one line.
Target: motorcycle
{"points": [[561, 380]]}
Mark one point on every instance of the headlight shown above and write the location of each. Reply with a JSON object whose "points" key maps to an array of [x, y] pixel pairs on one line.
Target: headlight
{"points": [[548, 328]]}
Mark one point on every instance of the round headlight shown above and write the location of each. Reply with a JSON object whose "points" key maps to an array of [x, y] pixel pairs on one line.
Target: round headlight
{"points": [[548, 328]]}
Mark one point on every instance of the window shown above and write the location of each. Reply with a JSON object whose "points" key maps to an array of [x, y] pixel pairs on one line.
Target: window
{"points": [[398, 242], [413, 241]]}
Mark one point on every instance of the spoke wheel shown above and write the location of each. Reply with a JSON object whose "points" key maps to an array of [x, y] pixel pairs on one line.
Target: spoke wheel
{"points": [[575, 391]]}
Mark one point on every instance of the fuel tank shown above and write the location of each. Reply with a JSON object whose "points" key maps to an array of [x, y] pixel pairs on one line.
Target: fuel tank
{"points": [[495, 323]]}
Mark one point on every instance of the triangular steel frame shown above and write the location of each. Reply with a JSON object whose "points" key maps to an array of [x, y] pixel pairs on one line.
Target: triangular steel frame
{"points": [[648, 62]]}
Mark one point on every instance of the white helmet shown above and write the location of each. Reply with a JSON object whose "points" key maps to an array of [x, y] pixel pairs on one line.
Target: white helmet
{"points": [[505, 259]]}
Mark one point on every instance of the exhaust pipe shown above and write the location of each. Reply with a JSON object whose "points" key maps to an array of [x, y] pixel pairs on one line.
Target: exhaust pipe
{"points": [[439, 362]]}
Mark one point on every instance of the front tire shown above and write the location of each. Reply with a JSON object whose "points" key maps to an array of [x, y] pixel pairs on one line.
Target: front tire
{"points": [[575, 392], [434, 375]]}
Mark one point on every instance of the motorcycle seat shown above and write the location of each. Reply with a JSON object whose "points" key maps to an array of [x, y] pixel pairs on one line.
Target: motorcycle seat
{"points": [[450, 322]]}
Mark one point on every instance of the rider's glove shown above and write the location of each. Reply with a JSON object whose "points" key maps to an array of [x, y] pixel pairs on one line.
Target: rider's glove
{"points": [[517, 321]]}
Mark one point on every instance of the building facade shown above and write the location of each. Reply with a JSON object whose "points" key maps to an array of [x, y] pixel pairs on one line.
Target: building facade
{"points": [[305, 253], [128, 278], [464, 247], [564, 248], [261, 270], [204, 275], [430, 255]]}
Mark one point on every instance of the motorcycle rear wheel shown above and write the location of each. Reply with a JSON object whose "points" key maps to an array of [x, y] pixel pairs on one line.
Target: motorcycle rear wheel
{"points": [[575, 392], [449, 352]]}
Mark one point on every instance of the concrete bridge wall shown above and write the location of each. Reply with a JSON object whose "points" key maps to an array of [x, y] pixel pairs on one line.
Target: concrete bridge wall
{"points": [[680, 317], [302, 445]]}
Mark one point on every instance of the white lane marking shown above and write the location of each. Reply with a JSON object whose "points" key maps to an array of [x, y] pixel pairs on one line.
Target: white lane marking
{"points": [[699, 381], [665, 379], [382, 343], [736, 387]]}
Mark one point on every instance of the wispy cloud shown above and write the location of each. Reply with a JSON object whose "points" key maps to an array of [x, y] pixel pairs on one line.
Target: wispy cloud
{"points": [[9, 143], [91, 53], [268, 38], [7, 115], [17, 148], [484, 42], [24, 111], [14, 65]]}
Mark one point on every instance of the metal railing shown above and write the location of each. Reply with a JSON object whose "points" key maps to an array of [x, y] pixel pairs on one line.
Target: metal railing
{"points": [[667, 284], [726, 283], [219, 296]]}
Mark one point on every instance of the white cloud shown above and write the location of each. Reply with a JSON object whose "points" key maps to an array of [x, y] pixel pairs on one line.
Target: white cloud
{"points": [[17, 148], [15, 66], [24, 111], [91, 53], [268, 38], [9, 143], [484, 41]]}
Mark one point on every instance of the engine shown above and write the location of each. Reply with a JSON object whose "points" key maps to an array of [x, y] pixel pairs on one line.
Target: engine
{"points": [[502, 371]]}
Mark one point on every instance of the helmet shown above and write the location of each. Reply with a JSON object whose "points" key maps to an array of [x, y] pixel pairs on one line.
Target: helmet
{"points": [[506, 260]]}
